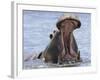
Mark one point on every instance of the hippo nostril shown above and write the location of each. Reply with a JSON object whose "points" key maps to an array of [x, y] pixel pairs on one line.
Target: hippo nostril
{"points": [[79, 24]]}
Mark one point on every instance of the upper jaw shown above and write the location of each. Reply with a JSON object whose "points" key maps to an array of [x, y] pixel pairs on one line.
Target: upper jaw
{"points": [[78, 25]]}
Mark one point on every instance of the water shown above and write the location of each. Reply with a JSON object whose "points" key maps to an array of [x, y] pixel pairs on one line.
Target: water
{"points": [[37, 27]]}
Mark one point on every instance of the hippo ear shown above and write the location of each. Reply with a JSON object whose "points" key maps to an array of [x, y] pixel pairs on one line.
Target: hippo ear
{"points": [[79, 23], [51, 36]]}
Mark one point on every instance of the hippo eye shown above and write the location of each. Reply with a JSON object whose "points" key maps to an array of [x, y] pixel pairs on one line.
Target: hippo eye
{"points": [[54, 31]]}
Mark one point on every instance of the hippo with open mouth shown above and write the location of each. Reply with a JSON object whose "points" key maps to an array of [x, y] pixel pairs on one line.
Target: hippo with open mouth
{"points": [[63, 47]]}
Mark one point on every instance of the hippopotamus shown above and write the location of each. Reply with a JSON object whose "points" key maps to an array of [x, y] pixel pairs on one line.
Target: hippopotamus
{"points": [[63, 46]]}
